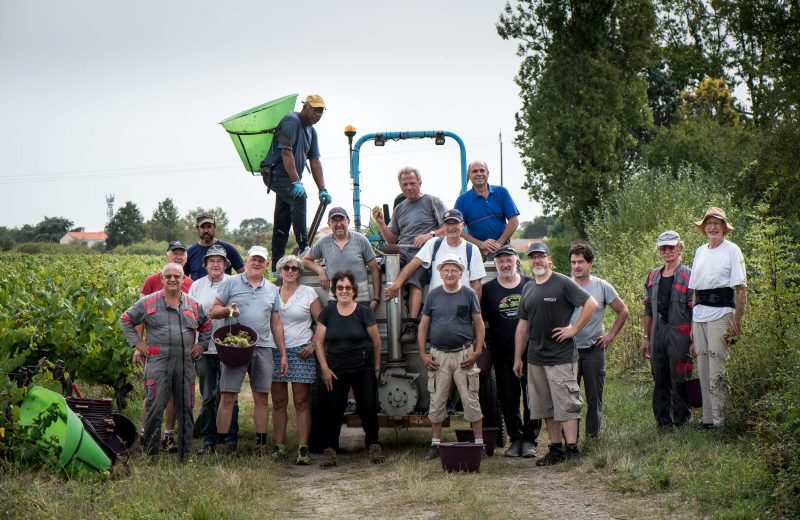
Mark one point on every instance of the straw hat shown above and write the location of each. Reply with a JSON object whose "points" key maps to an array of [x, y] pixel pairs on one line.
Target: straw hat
{"points": [[716, 213]]}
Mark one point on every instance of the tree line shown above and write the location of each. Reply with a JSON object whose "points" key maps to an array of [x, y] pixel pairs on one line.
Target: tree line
{"points": [[128, 227], [615, 89]]}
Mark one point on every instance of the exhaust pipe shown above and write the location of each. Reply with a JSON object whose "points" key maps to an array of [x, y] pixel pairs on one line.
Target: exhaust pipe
{"points": [[395, 348]]}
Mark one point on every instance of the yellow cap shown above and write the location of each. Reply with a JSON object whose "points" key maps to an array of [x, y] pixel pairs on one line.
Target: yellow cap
{"points": [[315, 100]]}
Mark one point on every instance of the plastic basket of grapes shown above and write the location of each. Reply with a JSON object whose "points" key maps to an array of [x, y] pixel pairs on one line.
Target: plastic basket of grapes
{"points": [[235, 344]]}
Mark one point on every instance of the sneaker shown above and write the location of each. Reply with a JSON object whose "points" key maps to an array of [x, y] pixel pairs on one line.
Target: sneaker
{"points": [[223, 450], [432, 452], [328, 458], [409, 334], [571, 453], [554, 456], [375, 455], [168, 443], [303, 458], [207, 449], [515, 450], [528, 449], [278, 453], [261, 450], [351, 407]]}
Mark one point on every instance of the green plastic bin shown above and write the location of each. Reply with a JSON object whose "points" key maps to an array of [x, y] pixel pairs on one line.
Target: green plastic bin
{"points": [[251, 131], [79, 452]]}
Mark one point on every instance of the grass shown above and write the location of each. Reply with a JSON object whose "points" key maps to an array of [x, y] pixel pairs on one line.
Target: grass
{"points": [[632, 470]]}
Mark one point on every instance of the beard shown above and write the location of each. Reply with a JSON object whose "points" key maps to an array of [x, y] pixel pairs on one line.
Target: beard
{"points": [[539, 271]]}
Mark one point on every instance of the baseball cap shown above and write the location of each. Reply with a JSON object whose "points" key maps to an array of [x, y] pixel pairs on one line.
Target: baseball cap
{"points": [[258, 251], [315, 100], [176, 245], [452, 214], [668, 238], [451, 258], [217, 250], [505, 250], [202, 218], [538, 247], [337, 212]]}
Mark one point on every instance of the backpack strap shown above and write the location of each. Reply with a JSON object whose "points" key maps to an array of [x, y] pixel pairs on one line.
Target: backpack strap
{"points": [[438, 244]]}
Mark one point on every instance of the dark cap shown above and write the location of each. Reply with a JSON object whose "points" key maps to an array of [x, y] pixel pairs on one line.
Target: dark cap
{"points": [[452, 214], [175, 245], [338, 212], [538, 247], [202, 218], [505, 250]]}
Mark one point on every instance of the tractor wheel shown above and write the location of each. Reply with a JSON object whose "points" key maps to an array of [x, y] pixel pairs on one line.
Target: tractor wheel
{"points": [[490, 406]]}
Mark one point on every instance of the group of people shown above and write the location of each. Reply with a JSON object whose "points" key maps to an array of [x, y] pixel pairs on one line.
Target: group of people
{"points": [[545, 333]]}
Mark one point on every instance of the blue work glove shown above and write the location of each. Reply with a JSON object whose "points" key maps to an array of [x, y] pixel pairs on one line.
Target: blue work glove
{"points": [[298, 190], [325, 197]]}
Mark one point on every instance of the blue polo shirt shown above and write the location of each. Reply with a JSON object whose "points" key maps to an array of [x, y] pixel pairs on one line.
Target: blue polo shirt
{"points": [[196, 269], [294, 134], [486, 218]]}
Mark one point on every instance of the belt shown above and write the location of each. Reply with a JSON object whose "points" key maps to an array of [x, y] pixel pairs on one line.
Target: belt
{"points": [[454, 349]]}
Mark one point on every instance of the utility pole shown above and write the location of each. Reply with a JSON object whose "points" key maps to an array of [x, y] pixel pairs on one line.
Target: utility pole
{"points": [[501, 157]]}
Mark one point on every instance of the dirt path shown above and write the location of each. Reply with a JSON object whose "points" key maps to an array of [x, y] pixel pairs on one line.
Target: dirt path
{"points": [[522, 490]]}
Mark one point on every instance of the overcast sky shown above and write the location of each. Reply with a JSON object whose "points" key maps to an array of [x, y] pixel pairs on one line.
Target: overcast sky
{"points": [[102, 97]]}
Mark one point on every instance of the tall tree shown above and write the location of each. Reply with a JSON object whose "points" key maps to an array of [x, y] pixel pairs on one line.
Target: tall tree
{"points": [[584, 97], [252, 231], [51, 229], [125, 227], [166, 221], [190, 219]]}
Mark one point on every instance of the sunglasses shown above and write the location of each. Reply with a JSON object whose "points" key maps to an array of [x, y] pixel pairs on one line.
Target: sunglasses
{"points": [[344, 288], [172, 276], [288, 268]]}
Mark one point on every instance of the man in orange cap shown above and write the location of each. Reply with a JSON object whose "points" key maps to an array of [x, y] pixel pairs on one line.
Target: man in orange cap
{"points": [[282, 170]]}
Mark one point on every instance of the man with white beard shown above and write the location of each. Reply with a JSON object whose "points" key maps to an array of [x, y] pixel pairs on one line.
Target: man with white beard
{"points": [[544, 329], [499, 304]]}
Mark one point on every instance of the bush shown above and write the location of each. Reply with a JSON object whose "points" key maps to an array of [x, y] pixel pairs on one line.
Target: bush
{"points": [[50, 248], [624, 231], [764, 367]]}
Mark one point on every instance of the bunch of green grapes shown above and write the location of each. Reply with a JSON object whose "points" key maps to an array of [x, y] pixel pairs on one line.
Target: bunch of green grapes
{"points": [[242, 339]]}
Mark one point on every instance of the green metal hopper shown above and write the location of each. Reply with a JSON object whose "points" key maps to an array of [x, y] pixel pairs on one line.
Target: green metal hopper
{"points": [[252, 130]]}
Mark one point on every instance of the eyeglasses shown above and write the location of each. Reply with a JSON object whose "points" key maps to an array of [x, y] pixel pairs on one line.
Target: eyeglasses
{"points": [[288, 268], [344, 288], [450, 272], [666, 248], [537, 257], [172, 276]]}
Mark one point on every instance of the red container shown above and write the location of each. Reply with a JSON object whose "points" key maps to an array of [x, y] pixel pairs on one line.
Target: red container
{"points": [[234, 356], [460, 456], [489, 438], [693, 392]]}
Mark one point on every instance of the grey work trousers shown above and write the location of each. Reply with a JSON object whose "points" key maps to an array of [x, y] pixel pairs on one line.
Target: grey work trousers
{"points": [[671, 365]]}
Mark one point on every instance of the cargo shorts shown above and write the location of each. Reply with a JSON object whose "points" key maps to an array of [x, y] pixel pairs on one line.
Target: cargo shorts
{"points": [[441, 381], [553, 391], [260, 370]]}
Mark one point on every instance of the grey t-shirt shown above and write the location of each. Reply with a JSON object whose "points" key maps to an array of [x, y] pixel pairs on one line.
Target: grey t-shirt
{"points": [[412, 219], [256, 305], [354, 256], [545, 307], [451, 316], [603, 293]]}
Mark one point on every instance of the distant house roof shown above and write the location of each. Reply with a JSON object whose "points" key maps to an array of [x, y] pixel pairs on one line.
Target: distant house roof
{"points": [[520, 245], [80, 235]]}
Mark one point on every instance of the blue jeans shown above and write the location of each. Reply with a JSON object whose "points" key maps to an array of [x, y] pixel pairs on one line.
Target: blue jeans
{"points": [[208, 370], [289, 212]]}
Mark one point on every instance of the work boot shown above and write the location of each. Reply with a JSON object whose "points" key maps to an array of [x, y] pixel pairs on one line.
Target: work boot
{"points": [[328, 458], [571, 453], [375, 455], [432, 452], [409, 334], [554, 456], [515, 450], [168, 443], [223, 450], [528, 449], [303, 458]]}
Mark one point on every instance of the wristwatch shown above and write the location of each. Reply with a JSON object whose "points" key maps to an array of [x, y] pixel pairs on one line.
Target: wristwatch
{"points": [[433, 233]]}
